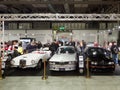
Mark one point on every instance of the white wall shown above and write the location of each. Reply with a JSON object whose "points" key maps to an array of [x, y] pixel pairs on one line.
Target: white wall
{"points": [[104, 36], [92, 35], [65, 35], [87, 35], [40, 35], [78, 35]]}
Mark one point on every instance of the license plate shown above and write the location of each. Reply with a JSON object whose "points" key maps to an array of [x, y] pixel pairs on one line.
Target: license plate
{"points": [[61, 69], [81, 64]]}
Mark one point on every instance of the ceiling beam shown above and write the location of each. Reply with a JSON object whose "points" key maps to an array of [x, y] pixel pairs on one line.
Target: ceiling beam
{"points": [[66, 6], [112, 8], [61, 2], [59, 17], [51, 8]]}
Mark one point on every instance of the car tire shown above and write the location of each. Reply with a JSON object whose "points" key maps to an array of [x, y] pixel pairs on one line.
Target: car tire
{"points": [[52, 73], [39, 65], [112, 70]]}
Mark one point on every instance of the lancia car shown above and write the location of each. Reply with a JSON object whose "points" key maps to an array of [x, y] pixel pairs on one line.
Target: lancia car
{"points": [[31, 60], [65, 59]]}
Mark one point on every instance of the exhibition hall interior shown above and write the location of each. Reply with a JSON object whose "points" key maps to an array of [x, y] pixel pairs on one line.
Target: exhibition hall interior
{"points": [[60, 44]]}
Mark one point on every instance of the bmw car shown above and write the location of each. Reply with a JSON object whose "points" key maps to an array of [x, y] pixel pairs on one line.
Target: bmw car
{"points": [[65, 59]]}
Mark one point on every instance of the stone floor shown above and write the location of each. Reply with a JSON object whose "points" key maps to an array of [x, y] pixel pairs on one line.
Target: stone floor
{"points": [[61, 83]]}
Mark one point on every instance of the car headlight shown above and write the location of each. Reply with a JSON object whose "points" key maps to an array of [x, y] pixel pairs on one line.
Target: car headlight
{"points": [[94, 63], [110, 62], [12, 62], [33, 61], [72, 62]]}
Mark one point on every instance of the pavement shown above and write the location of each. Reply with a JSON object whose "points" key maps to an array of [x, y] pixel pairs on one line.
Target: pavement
{"points": [[29, 79], [60, 83]]}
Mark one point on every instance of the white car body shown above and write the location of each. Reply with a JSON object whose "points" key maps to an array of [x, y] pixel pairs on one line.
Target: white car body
{"points": [[63, 61], [31, 60]]}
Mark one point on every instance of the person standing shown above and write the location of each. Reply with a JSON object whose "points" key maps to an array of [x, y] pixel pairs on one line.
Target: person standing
{"points": [[20, 48], [39, 45], [115, 50], [31, 47], [15, 52]]}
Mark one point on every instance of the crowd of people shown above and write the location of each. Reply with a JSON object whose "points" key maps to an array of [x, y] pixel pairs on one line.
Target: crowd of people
{"points": [[114, 48], [18, 48]]}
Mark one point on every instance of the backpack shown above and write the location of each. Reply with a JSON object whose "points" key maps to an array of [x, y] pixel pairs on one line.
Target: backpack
{"points": [[115, 50]]}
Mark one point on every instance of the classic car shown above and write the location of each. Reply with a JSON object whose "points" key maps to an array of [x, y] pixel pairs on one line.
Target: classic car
{"points": [[100, 59], [65, 59], [31, 60]]}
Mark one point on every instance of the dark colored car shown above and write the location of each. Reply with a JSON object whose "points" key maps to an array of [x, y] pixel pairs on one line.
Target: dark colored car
{"points": [[100, 59]]}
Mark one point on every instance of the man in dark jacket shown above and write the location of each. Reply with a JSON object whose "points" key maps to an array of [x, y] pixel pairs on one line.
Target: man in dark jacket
{"points": [[114, 50], [54, 46], [15, 52]]}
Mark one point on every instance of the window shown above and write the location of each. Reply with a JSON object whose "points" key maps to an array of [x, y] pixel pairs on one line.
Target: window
{"points": [[12, 26], [25, 25], [102, 26]]}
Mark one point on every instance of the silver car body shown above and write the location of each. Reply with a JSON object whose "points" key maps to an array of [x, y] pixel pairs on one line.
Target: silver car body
{"points": [[63, 61]]}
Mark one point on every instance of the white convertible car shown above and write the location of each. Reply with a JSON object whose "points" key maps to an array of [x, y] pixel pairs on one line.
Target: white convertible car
{"points": [[31, 60], [65, 59]]}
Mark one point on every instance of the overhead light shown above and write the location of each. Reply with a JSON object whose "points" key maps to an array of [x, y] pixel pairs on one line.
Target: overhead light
{"points": [[119, 27], [109, 32], [71, 34], [33, 34]]}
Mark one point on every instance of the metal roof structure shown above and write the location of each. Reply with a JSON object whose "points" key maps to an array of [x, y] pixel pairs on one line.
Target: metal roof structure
{"points": [[59, 17], [59, 6]]}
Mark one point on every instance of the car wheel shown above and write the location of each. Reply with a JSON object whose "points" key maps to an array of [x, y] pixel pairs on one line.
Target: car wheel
{"points": [[112, 70], [39, 65], [52, 73]]}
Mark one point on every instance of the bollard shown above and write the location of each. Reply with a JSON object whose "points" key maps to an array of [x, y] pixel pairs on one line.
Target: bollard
{"points": [[44, 77], [88, 68], [0, 69]]}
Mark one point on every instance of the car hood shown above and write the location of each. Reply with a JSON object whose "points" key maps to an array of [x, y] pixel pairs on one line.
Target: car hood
{"points": [[99, 58], [29, 56], [63, 57]]}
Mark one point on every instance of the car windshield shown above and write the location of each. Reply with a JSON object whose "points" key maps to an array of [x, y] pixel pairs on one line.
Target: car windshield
{"points": [[95, 51], [67, 50], [45, 49]]}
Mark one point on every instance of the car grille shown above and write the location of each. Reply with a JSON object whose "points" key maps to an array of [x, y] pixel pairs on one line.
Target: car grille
{"points": [[22, 63], [103, 62], [61, 63]]}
